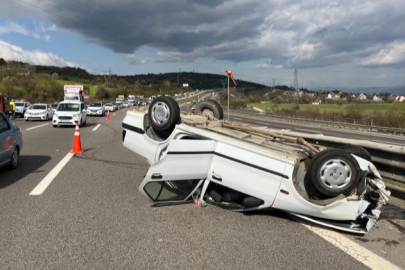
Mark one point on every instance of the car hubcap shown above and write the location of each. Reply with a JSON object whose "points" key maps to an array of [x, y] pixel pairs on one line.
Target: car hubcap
{"points": [[15, 158], [160, 113], [335, 174]]}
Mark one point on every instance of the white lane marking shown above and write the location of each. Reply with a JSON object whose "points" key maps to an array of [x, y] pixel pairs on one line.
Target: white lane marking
{"points": [[41, 187], [94, 129], [353, 249], [37, 126], [113, 114]]}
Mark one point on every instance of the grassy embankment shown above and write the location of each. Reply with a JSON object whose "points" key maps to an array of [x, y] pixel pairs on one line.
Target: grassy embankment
{"points": [[325, 107]]}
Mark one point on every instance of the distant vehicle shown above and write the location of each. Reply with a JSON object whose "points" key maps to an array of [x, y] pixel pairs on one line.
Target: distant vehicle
{"points": [[109, 107], [5, 107], [125, 104], [131, 103], [21, 108], [76, 92], [39, 112], [11, 142], [69, 113], [96, 108], [115, 106]]}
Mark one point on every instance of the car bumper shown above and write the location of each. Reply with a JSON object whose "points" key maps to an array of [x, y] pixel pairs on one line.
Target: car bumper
{"points": [[94, 113], [71, 122], [35, 117]]}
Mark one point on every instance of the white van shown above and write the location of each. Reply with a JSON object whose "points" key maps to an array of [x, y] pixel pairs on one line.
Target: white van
{"points": [[69, 113]]}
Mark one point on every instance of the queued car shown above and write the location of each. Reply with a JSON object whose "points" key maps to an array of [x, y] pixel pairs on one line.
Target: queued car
{"points": [[11, 142], [115, 106], [39, 112], [109, 107], [201, 159], [96, 108], [69, 113], [20, 108], [125, 104]]}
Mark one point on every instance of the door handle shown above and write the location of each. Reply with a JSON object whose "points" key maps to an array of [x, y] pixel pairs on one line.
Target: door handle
{"points": [[217, 177], [157, 176]]}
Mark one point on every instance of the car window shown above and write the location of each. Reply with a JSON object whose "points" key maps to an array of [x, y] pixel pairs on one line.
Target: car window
{"points": [[38, 107], [67, 107], [19, 104], [170, 190], [4, 126], [95, 105], [82, 107]]}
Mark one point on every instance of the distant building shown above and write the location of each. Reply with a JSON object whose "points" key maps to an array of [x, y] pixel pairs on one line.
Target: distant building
{"points": [[400, 99], [362, 97], [334, 96], [376, 98], [316, 102]]}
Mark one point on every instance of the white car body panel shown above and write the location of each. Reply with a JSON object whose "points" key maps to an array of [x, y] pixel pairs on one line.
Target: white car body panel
{"points": [[39, 114], [73, 117], [239, 165]]}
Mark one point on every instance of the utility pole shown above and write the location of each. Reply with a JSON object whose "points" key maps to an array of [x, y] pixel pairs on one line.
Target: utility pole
{"points": [[107, 76], [296, 79], [223, 83], [228, 98]]}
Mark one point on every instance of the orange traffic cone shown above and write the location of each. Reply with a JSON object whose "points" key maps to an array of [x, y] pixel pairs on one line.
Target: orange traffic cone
{"points": [[108, 115], [77, 145]]}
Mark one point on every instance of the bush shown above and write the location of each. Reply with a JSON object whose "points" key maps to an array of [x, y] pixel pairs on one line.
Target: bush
{"points": [[102, 93]]}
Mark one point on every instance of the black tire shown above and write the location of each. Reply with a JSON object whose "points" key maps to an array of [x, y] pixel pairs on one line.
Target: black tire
{"points": [[210, 105], [329, 168], [55, 126], [15, 158], [357, 151], [164, 113], [221, 111]]}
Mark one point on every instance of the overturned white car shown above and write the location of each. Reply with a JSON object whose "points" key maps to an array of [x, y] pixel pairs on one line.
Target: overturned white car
{"points": [[242, 168]]}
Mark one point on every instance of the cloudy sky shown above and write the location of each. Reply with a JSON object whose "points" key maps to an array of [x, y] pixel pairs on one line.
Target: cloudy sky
{"points": [[332, 43]]}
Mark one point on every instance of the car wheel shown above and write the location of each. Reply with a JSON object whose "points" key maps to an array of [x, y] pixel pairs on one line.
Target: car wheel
{"points": [[164, 113], [334, 172], [209, 109], [15, 159], [357, 151]]}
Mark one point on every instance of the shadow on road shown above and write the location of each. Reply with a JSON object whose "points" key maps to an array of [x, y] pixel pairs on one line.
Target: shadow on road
{"points": [[28, 165]]}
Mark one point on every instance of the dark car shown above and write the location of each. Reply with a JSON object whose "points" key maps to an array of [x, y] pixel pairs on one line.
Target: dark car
{"points": [[11, 143]]}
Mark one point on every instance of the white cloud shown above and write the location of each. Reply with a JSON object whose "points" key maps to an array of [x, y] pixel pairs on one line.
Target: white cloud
{"points": [[12, 27], [39, 33], [12, 52], [391, 56], [134, 59], [268, 65]]}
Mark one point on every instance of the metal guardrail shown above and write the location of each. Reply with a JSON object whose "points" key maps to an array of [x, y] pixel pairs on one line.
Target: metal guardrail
{"points": [[359, 123], [389, 159]]}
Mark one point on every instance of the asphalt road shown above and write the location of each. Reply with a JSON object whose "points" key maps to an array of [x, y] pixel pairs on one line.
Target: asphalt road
{"points": [[92, 216]]}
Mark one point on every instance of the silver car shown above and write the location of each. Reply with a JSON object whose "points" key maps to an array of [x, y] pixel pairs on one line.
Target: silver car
{"points": [[11, 143]]}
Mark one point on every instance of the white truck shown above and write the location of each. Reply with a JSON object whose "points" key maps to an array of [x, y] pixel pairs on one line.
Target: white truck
{"points": [[242, 168]]}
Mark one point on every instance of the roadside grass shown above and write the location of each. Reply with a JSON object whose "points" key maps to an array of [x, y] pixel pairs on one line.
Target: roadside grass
{"points": [[326, 107]]}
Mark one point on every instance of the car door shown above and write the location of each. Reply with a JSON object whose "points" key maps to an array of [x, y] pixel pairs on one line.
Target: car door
{"points": [[251, 173], [180, 171], [83, 113], [6, 145]]}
